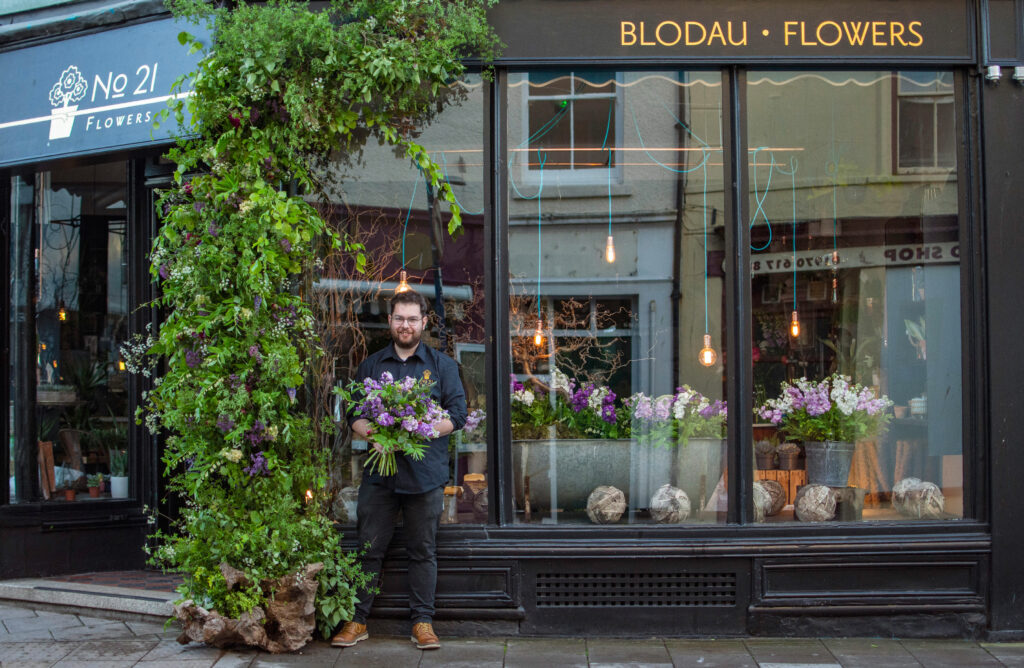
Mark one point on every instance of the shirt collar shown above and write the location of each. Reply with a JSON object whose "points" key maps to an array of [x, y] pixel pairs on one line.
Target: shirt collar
{"points": [[419, 354]]}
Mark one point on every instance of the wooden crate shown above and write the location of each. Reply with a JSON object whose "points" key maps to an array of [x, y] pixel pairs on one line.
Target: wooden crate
{"points": [[789, 480]]}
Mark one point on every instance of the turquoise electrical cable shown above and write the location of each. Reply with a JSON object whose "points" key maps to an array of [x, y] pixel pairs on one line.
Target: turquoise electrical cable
{"points": [[408, 211]]}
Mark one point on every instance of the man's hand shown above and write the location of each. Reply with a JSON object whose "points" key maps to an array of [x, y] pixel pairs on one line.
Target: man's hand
{"points": [[363, 428]]}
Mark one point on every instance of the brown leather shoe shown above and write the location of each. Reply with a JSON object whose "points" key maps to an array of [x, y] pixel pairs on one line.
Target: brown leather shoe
{"points": [[424, 637], [349, 635]]}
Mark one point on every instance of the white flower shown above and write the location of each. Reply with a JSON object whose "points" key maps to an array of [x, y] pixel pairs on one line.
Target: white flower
{"points": [[559, 381], [596, 399], [523, 396]]}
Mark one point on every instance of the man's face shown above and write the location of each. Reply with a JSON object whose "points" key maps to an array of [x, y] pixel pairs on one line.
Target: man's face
{"points": [[406, 323]]}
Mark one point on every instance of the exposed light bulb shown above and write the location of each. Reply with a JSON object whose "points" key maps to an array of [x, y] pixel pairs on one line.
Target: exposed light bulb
{"points": [[403, 283], [538, 334], [609, 249], [794, 326], [835, 258], [309, 495], [707, 355], [121, 365], [62, 313]]}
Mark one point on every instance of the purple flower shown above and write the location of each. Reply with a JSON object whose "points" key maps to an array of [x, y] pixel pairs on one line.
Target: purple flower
{"points": [[286, 245], [256, 302], [235, 121], [409, 424], [193, 358], [258, 465], [225, 424], [213, 231], [386, 377], [516, 385], [197, 206], [425, 430], [291, 393], [254, 115], [254, 351], [385, 420], [234, 381], [165, 273], [258, 433]]}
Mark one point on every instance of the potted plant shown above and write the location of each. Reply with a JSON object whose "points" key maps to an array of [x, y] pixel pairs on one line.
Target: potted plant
{"points": [[789, 456], [829, 415], [118, 473], [94, 481], [764, 454]]}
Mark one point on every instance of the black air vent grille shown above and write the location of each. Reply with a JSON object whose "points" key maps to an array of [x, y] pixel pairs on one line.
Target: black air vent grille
{"points": [[555, 590]]}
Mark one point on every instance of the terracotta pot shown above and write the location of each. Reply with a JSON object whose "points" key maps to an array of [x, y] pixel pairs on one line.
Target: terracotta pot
{"points": [[94, 492], [69, 495]]}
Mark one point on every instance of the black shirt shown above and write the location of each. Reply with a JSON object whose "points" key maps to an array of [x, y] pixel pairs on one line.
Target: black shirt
{"points": [[417, 477]]}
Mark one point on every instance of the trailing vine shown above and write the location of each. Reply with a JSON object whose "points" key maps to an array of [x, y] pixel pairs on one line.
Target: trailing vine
{"points": [[281, 93]]}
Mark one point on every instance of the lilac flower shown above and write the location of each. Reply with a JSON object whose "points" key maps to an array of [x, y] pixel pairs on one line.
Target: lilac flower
{"points": [[197, 206], [225, 424], [286, 245], [385, 420], [291, 393], [258, 465], [516, 385], [193, 358], [409, 424], [165, 272], [257, 302], [425, 430], [473, 421], [386, 377], [258, 433]]}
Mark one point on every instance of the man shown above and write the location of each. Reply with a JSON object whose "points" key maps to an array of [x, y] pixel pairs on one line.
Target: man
{"points": [[417, 487]]}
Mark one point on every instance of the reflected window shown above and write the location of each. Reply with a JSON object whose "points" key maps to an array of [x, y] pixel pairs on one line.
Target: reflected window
{"points": [[856, 297], [613, 290]]}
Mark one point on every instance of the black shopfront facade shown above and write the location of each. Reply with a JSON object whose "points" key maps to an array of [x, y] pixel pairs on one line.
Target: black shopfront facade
{"points": [[850, 166]]}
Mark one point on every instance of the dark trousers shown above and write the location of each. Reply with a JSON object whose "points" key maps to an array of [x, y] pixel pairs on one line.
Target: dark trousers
{"points": [[421, 514]]}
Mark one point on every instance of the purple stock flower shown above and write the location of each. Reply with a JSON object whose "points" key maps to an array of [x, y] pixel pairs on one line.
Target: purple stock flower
{"points": [[257, 466], [193, 358], [254, 352], [197, 206], [516, 385], [225, 424], [258, 432], [165, 272], [385, 420], [257, 302], [286, 245], [409, 424], [291, 393]]}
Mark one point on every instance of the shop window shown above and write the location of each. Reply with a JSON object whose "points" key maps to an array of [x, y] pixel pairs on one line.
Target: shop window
{"points": [[69, 317], [612, 296], [856, 276], [388, 205], [573, 124], [925, 128]]}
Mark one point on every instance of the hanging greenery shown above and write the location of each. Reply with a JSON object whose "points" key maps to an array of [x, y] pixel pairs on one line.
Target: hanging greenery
{"points": [[281, 92]]}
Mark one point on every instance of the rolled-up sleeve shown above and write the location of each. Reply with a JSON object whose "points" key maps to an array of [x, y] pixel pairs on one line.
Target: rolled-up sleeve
{"points": [[453, 396]]}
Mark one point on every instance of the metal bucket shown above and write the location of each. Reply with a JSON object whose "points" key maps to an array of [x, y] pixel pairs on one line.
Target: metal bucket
{"points": [[828, 462]]}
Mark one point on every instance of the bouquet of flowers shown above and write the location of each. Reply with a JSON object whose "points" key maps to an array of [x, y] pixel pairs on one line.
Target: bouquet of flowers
{"points": [[669, 419], [404, 417], [833, 409]]}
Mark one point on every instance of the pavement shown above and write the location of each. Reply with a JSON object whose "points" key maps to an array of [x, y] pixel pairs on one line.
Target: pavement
{"points": [[86, 622]]}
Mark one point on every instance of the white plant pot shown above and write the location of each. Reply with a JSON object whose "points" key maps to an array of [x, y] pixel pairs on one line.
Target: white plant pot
{"points": [[119, 487], [62, 120]]}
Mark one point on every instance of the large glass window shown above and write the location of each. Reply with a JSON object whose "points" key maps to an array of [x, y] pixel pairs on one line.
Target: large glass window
{"points": [[856, 296], [615, 287], [385, 203], [69, 310]]}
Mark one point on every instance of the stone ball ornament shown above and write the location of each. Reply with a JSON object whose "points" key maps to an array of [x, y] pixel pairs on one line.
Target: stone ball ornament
{"points": [[919, 499], [815, 503], [762, 502], [670, 505], [777, 494], [606, 504]]}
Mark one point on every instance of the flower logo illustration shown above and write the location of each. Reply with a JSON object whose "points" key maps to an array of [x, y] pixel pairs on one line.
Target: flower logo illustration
{"points": [[69, 88]]}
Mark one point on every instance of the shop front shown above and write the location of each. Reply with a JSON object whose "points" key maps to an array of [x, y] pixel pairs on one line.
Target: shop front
{"points": [[684, 223], [80, 158]]}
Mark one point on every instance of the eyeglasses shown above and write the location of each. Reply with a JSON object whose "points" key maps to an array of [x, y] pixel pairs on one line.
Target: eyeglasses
{"points": [[399, 320]]}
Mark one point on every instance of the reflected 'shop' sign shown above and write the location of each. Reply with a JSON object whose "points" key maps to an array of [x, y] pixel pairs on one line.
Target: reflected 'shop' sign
{"points": [[90, 94]]}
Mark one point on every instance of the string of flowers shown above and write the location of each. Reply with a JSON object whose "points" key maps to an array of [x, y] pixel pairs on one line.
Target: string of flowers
{"points": [[280, 90]]}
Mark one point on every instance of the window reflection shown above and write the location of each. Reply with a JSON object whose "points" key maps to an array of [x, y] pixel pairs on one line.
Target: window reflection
{"points": [[861, 248], [614, 419]]}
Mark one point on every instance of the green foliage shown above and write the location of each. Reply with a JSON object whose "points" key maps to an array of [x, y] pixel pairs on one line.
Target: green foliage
{"points": [[280, 91]]}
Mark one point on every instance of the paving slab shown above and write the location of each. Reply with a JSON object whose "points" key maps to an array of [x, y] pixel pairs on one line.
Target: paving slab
{"points": [[111, 650], [43, 620], [710, 653], [171, 631], [773, 652], [870, 653], [237, 658], [381, 652], [40, 633], [544, 652], [609, 652], [950, 653], [1008, 653], [107, 631], [167, 650], [23, 653], [463, 652], [315, 654], [99, 663], [12, 611]]}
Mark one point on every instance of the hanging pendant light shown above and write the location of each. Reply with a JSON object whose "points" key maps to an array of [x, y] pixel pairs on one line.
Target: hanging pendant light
{"points": [[62, 313], [403, 283], [794, 325], [609, 249], [538, 334], [707, 356]]}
